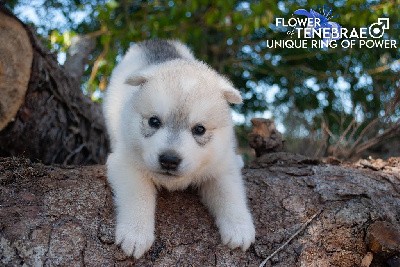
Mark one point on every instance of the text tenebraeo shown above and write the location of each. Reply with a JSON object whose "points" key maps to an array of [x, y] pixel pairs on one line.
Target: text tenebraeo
{"points": [[309, 28]]}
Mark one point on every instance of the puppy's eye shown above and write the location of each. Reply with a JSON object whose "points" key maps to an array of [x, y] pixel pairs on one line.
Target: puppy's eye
{"points": [[198, 129], [155, 122]]}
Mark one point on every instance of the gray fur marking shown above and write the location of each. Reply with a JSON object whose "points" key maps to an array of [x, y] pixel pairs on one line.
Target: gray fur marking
{"points": [[204, 139], [177, 122], [158, 51], [146, 130], [173, 137]]}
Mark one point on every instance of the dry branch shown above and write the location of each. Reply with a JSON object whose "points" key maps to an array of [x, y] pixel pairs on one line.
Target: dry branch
{"points": [[304, 226]]}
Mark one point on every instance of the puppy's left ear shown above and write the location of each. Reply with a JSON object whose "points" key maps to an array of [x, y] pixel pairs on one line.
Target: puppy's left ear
{"points": [[231, 94], [136, 80]]}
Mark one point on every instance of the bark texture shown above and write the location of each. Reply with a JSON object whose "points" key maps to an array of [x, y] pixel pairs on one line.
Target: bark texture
{"points": [[55, 122], [56, 216]]}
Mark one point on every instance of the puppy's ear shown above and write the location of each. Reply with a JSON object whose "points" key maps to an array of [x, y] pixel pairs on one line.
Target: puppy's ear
{"points": [[136, 80], [231, 94]]}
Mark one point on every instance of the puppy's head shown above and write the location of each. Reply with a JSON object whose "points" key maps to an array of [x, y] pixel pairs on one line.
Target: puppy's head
{"points": [[178, 120]]}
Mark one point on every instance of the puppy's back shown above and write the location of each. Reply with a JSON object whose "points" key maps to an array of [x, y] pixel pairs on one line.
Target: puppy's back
{"points": [[139, 56]]}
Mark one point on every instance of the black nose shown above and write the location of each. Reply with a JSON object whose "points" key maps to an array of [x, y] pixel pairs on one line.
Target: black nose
{"points": [[169, 161]]}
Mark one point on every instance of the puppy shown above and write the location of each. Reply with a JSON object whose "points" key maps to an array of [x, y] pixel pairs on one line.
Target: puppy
{"points": [[170, 126]]}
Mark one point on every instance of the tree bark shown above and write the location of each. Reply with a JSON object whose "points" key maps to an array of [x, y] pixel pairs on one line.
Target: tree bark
{"points": [[53, 216], [43, 113]]}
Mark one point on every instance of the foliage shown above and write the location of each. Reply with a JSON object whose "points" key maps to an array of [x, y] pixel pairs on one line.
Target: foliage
{"points": [[331, 86]]}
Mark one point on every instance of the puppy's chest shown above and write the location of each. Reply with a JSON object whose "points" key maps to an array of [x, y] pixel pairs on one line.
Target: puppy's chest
{"points": [[173, 183]]}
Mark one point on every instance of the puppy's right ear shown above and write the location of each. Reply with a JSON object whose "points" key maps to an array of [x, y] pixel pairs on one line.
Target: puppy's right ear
{"points": [[231, 94], [136, 80]]}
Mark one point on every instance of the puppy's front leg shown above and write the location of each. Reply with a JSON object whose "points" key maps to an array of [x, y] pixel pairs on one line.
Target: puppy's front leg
{"points": [[226, 199], [135, 200]]}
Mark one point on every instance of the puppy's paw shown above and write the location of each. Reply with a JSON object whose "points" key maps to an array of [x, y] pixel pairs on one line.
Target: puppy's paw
{"points": [[236, 233], [134, 240]]}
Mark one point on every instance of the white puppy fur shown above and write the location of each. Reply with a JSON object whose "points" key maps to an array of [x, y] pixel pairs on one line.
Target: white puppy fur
{"points": [[170, 126]]}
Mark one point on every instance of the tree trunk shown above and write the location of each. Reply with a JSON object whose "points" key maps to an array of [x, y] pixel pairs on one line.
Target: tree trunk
{"points": [[64, 217], [78, 54], [43, 113]]}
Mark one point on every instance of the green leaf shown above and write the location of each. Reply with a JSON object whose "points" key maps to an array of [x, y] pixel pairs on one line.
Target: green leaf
{"points": [[112, 4]]}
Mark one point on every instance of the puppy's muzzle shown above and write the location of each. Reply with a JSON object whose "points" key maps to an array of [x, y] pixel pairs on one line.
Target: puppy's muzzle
{"points": [[169, 161]]}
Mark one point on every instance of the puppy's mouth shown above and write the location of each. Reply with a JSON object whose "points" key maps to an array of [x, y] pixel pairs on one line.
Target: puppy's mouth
{"points": [[168, 173]]}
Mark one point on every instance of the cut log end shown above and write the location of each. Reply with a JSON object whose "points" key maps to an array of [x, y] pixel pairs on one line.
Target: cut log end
{"points": [[15, 67]]}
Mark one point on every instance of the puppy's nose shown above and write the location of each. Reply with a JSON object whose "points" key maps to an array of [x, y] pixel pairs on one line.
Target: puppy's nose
{"points": [[169, 161]]}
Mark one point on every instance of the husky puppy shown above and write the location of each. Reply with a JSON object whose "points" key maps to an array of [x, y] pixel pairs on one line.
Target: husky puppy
{"points": [[169, 120]]}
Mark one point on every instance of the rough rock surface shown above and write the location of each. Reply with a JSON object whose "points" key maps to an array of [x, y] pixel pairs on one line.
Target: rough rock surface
{"points": [[55, 216]]}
